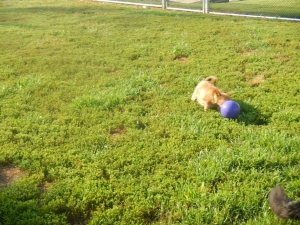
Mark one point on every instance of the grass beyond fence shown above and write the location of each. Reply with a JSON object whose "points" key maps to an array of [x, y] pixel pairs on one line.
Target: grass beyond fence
{"points": [[276, 8], [287, 9], [97, 122]]}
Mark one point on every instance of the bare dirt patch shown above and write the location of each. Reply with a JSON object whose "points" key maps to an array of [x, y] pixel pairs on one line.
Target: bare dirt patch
{"points": [[118, 131], [8, 174], [183, 59], [45, 186], [256, 81]]}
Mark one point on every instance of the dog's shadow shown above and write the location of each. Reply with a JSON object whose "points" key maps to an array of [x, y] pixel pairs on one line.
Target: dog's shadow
{"points": [[250, 115]]}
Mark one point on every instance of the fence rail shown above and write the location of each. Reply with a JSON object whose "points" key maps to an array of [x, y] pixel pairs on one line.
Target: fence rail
{"points": [[269, 9]]}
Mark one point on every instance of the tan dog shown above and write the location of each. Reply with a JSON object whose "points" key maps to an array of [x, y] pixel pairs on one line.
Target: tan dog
{"points": [[208, 95]]}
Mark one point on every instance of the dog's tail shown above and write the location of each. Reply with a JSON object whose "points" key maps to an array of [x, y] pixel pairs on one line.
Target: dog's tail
{"points": [[282, 206], [211, 79]]}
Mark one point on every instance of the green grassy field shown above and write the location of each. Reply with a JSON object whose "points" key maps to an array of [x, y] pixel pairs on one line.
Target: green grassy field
{"points": [[95, 111], [267, 8], [278, 8]]}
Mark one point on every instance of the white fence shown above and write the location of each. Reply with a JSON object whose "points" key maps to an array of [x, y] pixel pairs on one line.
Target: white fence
{"points": [[270, 9]]}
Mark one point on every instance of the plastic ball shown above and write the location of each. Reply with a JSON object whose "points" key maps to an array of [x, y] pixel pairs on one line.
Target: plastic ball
{"points": [[230, 109]]}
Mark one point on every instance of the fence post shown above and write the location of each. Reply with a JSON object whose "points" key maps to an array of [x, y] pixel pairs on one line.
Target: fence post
{"points": [[205, 6], [164, 4]]}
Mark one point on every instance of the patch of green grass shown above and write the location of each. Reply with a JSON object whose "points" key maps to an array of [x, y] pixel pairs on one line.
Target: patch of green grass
{"points": [[181, 51], [278, 8], [97, 113], [275, 8]]}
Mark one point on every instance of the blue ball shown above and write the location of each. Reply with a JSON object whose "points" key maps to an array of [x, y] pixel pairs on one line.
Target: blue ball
{"points": [[230, 109]]}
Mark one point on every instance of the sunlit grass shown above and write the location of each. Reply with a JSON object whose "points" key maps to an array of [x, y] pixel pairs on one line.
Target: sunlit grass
{"points": [[95, 109], [278, 8]]}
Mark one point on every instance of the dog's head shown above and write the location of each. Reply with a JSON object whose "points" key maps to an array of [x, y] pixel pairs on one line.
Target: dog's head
{"points": [[220, 97]]}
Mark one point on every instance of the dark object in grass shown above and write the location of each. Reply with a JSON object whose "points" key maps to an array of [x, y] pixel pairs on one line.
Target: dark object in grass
{"points": [[282, 206]]}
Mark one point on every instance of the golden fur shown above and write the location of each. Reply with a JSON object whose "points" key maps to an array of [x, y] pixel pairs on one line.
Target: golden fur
{"points": [[208, 95]]}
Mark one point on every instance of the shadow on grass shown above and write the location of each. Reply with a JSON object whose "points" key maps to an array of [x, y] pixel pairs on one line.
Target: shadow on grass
{"points": [[250, 115], [82, 9]]}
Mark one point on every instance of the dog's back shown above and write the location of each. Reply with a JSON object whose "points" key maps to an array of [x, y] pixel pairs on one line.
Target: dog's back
{"points": [[203, 86], [208, 95]]}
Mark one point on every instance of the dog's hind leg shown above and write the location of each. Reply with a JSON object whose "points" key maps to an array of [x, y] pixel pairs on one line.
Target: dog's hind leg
{"points": [[194, 97], [206, 106]]}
